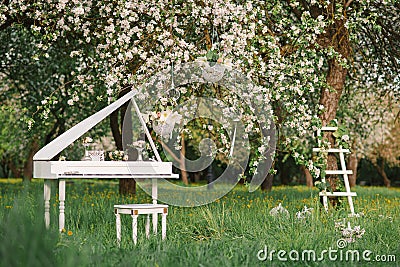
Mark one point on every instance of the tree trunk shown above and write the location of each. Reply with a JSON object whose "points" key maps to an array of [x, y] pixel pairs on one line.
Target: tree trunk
{"points": [[284, 173], [335, 36], [28, 166], [353, 164], [307, 174], [196, 177], [127, 186], [266, 185], [117, 120], [330, 100], [381, 170], [115, 129], [182, 161], [16, 172]]}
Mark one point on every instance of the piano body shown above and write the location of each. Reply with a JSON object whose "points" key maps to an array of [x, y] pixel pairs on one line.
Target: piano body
{"points": [[45, 168], [102, 169]]}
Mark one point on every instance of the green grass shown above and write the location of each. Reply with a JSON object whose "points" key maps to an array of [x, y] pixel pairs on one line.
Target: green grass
{"points": [[228, 232]]}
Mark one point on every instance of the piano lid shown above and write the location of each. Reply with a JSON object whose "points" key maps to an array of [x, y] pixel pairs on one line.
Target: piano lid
{"points": [[61, 142]]}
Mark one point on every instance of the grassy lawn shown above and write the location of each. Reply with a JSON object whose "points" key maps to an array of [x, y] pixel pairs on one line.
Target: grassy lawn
{"points": [[229, 232]]}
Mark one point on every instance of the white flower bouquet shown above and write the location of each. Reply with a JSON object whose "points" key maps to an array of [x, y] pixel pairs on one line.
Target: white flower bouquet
{"points": [[117, 155]]}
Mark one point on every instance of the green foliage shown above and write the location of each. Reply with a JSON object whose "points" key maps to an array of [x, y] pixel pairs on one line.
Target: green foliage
{"points": [[38, 99], [14, 137], [212, 56], [228, 232], [341, 135], [8, 129]]}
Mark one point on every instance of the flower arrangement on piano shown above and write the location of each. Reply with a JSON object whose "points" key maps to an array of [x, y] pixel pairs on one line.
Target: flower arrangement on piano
{"points": [[87, 140], [117, 155]]}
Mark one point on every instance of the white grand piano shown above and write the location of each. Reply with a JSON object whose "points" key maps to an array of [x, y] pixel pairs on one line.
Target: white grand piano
{"points": [[47, 169]]}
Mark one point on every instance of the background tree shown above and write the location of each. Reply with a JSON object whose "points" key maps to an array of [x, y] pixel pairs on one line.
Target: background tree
{"points": [[39, 94], [357, 36]]}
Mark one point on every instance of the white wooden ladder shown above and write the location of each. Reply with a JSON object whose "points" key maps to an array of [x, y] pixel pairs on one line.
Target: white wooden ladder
{"points": [[324, 193]]}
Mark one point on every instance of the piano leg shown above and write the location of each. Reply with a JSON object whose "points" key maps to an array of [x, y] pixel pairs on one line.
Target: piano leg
{"points": [[154, 190], [163, 225], [154, 195], [134, 227], [118, 225], [148, 226], [47, 193], [155, 221], [61, 192]]}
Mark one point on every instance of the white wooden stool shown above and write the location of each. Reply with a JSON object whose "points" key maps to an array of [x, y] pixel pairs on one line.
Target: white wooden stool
{"points": [[137, 209]]}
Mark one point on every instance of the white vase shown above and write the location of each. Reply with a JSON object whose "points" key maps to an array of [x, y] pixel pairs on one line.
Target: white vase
{"points": [[140, 151], [86, 157]]}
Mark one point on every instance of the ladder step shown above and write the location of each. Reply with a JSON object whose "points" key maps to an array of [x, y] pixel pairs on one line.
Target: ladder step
{"points": [[339, 172], [328, 128], [332, 150], [338, 194]]}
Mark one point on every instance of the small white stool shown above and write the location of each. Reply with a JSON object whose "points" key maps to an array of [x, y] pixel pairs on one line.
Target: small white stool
{"points": [[135, 210]]}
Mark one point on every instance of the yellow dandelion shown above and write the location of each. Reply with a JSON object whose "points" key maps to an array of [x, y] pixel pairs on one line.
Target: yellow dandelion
{"points": [[69, 233], [8, 207], [92, 205], [63, 230]]}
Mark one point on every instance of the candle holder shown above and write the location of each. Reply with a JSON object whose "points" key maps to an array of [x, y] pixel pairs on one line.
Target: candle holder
{"points": [[86, 157], [139, 145], [87, 142]]}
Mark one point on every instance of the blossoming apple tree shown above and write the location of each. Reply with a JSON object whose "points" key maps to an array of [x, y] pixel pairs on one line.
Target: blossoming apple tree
{"points": [[300, 54]]}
